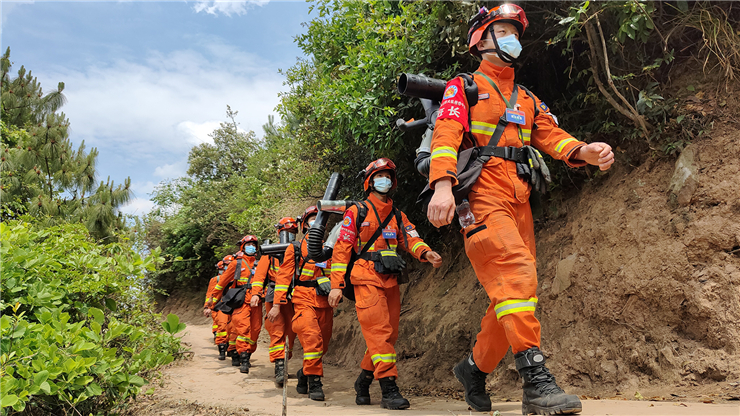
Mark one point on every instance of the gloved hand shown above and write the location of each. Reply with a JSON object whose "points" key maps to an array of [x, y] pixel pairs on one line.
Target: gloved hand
{"points": [[324, 286], [391, 262]]}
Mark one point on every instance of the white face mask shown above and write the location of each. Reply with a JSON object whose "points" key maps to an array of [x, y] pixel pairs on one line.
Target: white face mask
{"points": [[382, 185], [510, 44]]}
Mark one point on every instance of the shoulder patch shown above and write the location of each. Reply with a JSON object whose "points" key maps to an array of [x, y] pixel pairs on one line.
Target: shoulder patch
{"points": [[544, 107], [450, 92], [409, 227], [454, 105], [347, 221]]}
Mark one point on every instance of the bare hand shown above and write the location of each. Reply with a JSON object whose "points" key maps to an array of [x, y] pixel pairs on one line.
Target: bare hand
{"points": [[434, 258], [274, 312], [334, 297], [441, 208], [255, 302], [207, 312], [597, 154]]}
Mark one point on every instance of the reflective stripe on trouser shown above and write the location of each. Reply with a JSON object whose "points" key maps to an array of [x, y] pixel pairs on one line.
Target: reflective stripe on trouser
{"points": [[503, 257], [279, 329], [241, 320], [378, 310], [214, 318], [222, 332], [313, 328]]}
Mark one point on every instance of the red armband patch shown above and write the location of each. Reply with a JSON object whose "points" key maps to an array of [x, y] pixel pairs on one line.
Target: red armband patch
{"points": [[348, 232], [454, 105]]}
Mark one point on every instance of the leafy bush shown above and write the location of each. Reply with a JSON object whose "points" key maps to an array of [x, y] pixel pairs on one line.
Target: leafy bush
{"points": [[78, 334]]}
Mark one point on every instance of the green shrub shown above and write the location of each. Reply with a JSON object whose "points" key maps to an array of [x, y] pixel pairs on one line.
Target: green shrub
{"points": [[78, 333]]}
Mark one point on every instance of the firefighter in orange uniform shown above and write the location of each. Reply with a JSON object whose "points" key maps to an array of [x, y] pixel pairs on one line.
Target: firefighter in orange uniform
{"points": [[313, 317], [211, 284], [500, 243], [374, 276], [222, 320], [246, 321], [264, 286]]}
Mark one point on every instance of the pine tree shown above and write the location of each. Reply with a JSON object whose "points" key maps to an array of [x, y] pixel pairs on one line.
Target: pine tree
{"points": [[42, 174]]}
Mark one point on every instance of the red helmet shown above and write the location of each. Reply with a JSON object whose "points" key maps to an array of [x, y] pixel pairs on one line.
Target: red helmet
{"points": [[375, 167], [248, 239], [220, 265], [228, 259], [505, 13], [287, 224], [312, 210]]}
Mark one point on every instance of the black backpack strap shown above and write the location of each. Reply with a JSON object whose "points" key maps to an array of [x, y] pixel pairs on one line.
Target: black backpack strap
{"points": [[377, 232], [534, 102], [399, 222]]}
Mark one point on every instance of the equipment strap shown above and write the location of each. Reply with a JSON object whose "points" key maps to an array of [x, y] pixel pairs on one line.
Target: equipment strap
{"points": [[307, 283], [377, 232], [510, 104]]}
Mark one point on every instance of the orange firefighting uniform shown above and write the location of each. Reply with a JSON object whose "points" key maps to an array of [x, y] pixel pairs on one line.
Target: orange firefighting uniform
{"points": [[500, 245], [378, 300], [246, 322], [214, 314], [267, 271], [313, 318]]}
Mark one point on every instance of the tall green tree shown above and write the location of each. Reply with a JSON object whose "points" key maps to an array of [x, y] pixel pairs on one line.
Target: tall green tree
{"points": [[42, 173]]}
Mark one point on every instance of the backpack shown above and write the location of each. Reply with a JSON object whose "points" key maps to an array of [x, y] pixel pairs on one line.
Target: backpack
{"points": [[234, 297]]}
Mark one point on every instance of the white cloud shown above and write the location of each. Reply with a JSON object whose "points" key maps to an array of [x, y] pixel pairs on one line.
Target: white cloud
{"points": [[227, 7], [171, 171], [137, 206], [198, 133]]}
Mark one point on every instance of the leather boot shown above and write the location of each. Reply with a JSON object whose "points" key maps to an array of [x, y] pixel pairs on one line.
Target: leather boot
{"points": [[279, 372], [392, 398], [474, 382], [362, 387], [541, 395], [315, 388], [235, 360], [222, 351], [302, 386], [244, 362]]}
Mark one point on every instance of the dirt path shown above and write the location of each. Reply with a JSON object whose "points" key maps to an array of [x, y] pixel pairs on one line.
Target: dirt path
{"points": [[205, 386]]}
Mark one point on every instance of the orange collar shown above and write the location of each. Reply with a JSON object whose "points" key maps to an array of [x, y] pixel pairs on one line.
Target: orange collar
{"points": [[503, 73]]}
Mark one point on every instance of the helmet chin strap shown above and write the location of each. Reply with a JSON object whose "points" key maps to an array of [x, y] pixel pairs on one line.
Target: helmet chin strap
{"points": [[497, 50]]}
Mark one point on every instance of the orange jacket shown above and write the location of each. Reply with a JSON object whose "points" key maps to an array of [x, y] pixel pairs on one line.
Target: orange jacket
{"points": [[228, 277], [364, 272], [310, 271], [267, 271], [211, 284], [499, 176]]}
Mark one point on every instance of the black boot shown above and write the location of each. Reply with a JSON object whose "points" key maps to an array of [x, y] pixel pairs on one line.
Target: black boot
{"points": [[302, 386], [362, 387], [244, 362], [279, 372], [392, 398], [222, 351], [315, 388], [235, 360], [474, 382], [541, 395]]}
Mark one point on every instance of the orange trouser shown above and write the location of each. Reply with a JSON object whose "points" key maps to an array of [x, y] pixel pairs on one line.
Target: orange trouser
{"points": [[246, 323], [501, 248], [232, 336], [313, 327], [222, 332], [279, 329], [378, 310], [214, 317]]}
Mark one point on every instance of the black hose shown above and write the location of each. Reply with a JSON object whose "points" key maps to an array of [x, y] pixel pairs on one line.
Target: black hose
{"points": [[315, 244]]}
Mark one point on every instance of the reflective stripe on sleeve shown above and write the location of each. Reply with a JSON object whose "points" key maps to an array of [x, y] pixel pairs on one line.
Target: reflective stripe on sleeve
{"points": [[445, 151], [258, 284], [219, 287], [514, 306], [419, 244], [338, 267], [281, 288], [561, 144]]}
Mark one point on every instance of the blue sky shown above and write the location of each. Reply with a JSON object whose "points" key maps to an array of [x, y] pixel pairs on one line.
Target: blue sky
{"points": [[146, 81]]}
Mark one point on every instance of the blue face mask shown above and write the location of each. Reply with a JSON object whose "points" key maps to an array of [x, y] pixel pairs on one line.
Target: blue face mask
{"points": [[382, 185], [250, 250], [510, 44]]}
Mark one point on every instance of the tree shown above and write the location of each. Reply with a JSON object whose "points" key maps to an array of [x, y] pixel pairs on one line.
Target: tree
{"points": [[42, 174]]}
